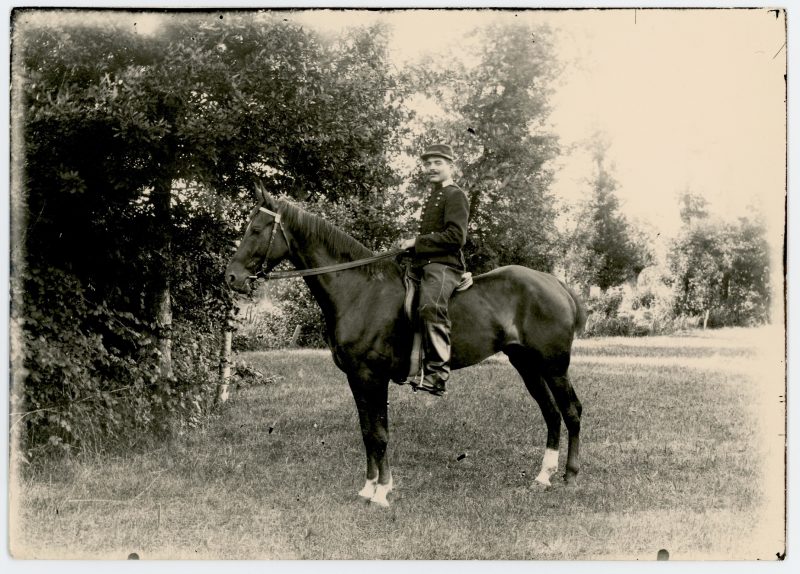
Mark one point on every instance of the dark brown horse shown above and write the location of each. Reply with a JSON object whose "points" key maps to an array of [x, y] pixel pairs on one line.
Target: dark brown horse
{"points": [[531, 316]]}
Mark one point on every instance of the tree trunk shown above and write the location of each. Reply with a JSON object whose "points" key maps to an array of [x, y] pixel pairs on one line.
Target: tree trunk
{"points": [[161, 200], [164, 323], [295, 336], [225, 360], [228, 327]]}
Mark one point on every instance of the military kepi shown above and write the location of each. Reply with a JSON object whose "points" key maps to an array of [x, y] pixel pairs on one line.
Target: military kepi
{"points": [[438, 150]]}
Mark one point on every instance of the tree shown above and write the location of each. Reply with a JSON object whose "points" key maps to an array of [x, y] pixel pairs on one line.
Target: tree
{"points": [[720, 270], [606, 249], [498, 111], [692, 207], [138, 154]]}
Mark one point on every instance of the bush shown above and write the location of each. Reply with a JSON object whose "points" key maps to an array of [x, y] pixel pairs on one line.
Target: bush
{"points": [[185, 401], [604, 318], [642, 313], [643, 299], [606, 304], [88, 369], [300, 308], [91, 374], [261, 330], [600, 326]]}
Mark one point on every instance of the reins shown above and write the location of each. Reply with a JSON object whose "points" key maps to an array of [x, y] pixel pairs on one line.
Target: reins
{"points": [[316, 270]]}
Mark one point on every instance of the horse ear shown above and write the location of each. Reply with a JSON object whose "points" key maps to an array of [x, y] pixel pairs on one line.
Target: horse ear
{"points": [[261, 194]]}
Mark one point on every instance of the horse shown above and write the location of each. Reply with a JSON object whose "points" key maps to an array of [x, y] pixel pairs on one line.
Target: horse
{"points": [[529, 315]]}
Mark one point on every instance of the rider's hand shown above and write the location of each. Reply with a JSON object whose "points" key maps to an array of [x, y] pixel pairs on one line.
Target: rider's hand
{"points": [[407, 243]]}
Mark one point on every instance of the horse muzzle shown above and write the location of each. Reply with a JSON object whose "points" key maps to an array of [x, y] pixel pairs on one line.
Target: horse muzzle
{"points": [[239, 279]]}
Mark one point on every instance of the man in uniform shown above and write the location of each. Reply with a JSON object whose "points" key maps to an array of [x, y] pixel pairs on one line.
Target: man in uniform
{"points": [[438, 262]]}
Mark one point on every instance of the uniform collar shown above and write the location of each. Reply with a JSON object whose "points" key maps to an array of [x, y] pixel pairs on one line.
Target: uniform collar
{"points": [[444, 184]]}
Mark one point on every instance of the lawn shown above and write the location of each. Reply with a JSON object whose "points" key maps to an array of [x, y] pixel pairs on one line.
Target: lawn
{"points": [[682, 450]]}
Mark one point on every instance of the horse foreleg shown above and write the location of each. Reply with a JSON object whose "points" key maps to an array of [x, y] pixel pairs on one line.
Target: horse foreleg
{"points": [[371, 398], [549, 466]]}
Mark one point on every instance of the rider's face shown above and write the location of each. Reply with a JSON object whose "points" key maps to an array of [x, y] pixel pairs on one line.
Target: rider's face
{"points": [[438, 169]]}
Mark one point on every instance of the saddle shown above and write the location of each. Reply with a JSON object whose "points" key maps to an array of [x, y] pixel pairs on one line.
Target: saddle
{"points": [[410, 304]]}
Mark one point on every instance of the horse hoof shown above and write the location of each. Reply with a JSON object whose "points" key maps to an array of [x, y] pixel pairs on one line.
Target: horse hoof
{"points": [[382, 502], [540, 485], [369, 489], [571, 479], [381, 492]]}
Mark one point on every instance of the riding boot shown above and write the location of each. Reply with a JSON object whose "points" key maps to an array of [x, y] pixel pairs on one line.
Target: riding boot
{"points": [[437, 285], [436, 346]]}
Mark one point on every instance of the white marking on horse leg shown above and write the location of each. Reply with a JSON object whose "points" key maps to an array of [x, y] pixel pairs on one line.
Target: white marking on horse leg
{"points": [[369, 488], [549, 466], [381, 490]]}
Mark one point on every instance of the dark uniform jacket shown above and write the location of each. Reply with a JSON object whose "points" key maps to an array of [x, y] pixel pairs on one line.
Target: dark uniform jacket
{"points": [[443, 227]]}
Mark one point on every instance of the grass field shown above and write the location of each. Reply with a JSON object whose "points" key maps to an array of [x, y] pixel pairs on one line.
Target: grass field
{"points": [[682, 449]]}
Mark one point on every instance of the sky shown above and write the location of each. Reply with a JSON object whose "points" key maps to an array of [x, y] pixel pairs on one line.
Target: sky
{"points": [[687, 98]]}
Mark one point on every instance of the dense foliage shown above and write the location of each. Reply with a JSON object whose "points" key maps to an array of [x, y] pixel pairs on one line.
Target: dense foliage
{"points": [[496, 116], [138, 152], [720, 269], [604, 249]]}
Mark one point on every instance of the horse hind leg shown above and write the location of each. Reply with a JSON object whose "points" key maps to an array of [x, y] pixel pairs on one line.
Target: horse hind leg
{"points": [[529, 370], [571, 410]]}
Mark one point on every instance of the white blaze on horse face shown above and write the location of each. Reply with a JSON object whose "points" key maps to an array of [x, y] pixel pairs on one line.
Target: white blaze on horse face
{"points": [[549, 466]]}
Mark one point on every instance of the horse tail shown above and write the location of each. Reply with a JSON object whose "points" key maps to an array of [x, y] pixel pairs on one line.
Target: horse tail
{"points": [[580, 310]]}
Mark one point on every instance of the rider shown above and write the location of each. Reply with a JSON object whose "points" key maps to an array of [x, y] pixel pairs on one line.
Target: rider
{"points": [[438, 261]]}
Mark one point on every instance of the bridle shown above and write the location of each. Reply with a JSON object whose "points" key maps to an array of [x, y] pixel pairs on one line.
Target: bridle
{"points": [[276, 224]]}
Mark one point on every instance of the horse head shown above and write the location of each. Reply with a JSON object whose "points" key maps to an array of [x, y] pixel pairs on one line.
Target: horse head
{"points": [[263, 246]]}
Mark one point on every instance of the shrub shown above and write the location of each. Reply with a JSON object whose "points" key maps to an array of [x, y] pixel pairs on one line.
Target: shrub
{"points": [[643, 299], [91, 374], [600, 326], [606, 304], [185, 401], [641, 313], [89, 370], [604, 318], [261, 330]]}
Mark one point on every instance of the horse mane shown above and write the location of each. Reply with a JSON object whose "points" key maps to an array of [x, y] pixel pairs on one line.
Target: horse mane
{"points": [[339, 243]]}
